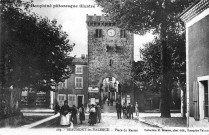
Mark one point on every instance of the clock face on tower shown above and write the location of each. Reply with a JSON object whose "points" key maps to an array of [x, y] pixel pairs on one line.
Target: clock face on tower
{"points": [[111, 32]]}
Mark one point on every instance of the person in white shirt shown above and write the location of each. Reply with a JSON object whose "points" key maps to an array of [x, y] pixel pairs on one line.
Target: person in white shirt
{"points": [[92, 115]]}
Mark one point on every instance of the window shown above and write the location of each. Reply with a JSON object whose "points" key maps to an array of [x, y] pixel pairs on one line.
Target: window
{"points": [[200, 98], [61, 99], [98, 33], [122, 34], [64, 84], [111, 62], [71, 100], [79, 70], [78, 82]]}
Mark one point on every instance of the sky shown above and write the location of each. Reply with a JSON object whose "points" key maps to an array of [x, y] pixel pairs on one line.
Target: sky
{"points": [[73, 20]]}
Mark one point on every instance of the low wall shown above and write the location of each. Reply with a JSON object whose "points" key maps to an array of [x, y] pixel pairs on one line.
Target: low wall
{"points": [[12, 120], [44, 122]]}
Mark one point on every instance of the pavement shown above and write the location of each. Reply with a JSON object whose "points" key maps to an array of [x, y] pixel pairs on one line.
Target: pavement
{"points": [[154, 119], [149, 118]]}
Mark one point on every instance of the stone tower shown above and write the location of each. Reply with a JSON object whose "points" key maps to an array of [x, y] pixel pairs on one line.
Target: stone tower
{"points": [[110, 51]]}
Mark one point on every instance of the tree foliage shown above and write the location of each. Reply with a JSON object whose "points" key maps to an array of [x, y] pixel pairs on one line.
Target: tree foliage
{"points": [[142, 16], [34, 49], [148, 71]]}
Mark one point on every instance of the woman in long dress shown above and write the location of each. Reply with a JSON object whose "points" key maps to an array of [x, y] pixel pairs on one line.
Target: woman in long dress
{"points": [[92, 115], [64, 112]]}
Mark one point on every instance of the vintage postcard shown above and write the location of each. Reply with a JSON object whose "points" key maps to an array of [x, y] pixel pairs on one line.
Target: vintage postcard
{"points": [[104, 67]]}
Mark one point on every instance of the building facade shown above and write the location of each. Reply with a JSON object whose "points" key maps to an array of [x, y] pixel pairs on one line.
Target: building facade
{"points": [[110, 57], [196, 20], [75, 88]]}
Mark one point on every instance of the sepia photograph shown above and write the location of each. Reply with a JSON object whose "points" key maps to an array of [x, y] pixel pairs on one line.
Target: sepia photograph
{"points": [[104, 67]]}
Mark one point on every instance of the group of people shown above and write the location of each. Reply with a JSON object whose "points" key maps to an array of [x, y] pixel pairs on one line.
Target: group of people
{"points": [[94, 114], [65, 110], [127, 110], [66, 118]]}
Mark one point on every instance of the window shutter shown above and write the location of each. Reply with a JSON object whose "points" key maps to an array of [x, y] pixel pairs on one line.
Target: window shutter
{"points": [[122, 33], [196, 100], [96, 33], [100, 33]]}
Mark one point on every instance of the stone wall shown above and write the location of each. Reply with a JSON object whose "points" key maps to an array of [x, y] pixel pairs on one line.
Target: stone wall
{"points": [[108, 56]]}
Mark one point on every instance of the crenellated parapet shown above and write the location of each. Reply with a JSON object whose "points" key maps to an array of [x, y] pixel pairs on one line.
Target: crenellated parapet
{"points": [[94, 20]]}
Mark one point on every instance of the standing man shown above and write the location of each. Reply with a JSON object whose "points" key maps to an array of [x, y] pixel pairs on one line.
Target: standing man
{"points": [[98, 113], [131, 112], [81, 113], [136, 109], [73, 117], [119, 108], [128, 110], [56, 108]]}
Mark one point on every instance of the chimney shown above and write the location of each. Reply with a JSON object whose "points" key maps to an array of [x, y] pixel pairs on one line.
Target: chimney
{"points": [[94, 17], [82, 56]]}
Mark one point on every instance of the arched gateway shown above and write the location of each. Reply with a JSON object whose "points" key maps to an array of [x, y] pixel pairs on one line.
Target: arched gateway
{"points": [[110, 55]]}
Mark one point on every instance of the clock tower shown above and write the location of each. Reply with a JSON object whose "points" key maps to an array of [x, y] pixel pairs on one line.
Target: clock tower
{"points": [[110, 56]]}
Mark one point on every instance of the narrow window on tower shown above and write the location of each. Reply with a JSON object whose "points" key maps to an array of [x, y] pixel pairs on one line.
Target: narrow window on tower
{"points": [[98, 33], [122, 34], [111, 62]]}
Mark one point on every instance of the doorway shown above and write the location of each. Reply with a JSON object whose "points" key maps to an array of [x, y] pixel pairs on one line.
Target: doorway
{"points": [[80, 99], [203, 97]]}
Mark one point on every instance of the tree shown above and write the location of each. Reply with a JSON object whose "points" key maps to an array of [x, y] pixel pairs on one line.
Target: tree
{"points": [[34, 50], [142, 16], [148, 73]]}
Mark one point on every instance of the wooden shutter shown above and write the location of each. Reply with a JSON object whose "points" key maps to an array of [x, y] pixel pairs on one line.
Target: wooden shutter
{"points": [[196, 100], [61, 99], [100, 33], [96, 33], [208, 98], [71, 100]]}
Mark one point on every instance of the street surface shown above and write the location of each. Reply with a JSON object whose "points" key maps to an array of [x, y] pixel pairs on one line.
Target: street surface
{"points": [[110, 120]]}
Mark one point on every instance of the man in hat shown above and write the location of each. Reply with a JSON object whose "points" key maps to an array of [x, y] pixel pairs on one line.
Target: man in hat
{"points": [[118, 108], [73, 117]]}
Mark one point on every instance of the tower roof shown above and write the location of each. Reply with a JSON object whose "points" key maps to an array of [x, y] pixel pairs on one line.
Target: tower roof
{"points": [[97, 18]]}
